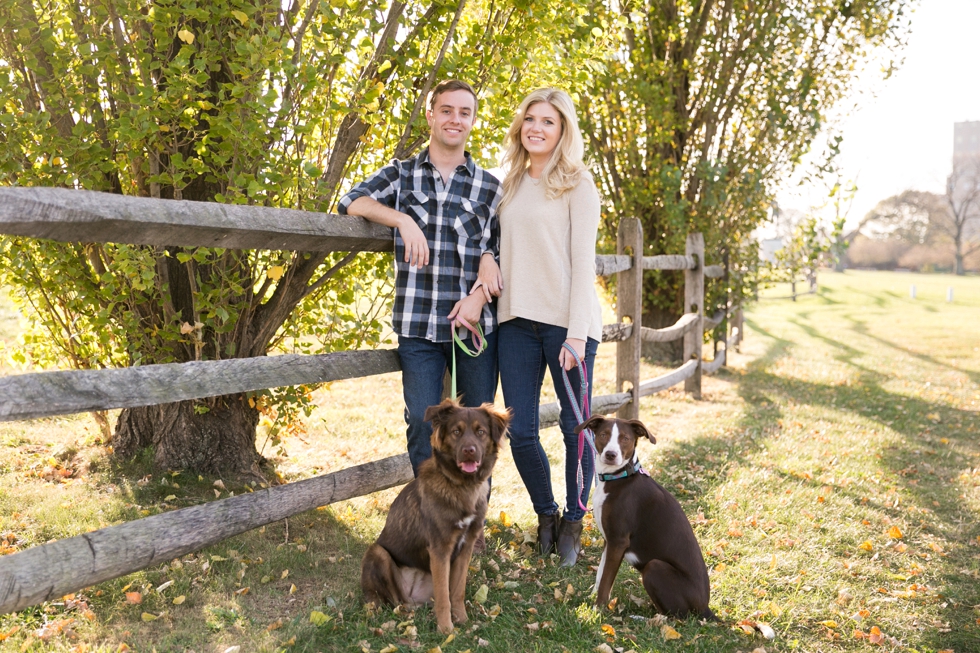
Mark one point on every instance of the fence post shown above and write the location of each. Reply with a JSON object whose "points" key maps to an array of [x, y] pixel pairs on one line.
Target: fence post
{"points": [[694, 303], [629, 306]]}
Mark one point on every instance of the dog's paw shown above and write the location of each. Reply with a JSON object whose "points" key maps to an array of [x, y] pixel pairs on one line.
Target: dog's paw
{"points": [[459, 615], [445, 629]]}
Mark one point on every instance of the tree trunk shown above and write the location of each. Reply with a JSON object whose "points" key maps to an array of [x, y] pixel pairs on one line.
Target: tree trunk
{"points": [[220, 440]]}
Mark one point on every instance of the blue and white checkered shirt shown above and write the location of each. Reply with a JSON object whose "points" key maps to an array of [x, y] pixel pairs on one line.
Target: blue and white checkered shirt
{"points": [[459, 221]]}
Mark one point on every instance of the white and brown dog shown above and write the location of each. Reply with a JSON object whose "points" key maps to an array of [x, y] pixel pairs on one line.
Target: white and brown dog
{"points": [[643, 523]]}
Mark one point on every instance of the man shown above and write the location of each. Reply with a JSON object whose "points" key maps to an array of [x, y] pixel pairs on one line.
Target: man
{"points": [[443, 211]]}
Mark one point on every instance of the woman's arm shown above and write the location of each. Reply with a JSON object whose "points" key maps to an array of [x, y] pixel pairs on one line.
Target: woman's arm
{"points": [[584, 212]]}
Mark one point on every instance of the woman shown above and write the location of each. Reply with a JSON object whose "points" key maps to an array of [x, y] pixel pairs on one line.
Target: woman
{"points": [[549, 217]]}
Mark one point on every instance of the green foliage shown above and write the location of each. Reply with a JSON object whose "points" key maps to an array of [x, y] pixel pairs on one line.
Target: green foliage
{"points": [[234, 101], [800, 254], [701, 109]]}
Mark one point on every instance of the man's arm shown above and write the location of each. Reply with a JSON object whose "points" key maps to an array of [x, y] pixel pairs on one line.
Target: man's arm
{"points": [[416, 245]]}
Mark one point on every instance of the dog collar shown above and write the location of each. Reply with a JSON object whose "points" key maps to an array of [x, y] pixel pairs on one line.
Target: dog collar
{"points": [[626, 472]]}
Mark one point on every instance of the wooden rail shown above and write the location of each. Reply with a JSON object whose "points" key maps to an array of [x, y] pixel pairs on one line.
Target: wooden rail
{"points": [[50, 570]]}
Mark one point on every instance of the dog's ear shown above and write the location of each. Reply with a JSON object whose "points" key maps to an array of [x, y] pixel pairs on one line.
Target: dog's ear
{"points": [[437, 414], [592, 423], [499, 420], [641, 431]]}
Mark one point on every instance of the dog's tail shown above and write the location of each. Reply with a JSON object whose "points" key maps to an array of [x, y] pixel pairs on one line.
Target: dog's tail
{"points": [[378, 581]]}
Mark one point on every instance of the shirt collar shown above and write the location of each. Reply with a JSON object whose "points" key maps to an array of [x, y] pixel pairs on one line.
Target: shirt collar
{"points": [[470, 165]]}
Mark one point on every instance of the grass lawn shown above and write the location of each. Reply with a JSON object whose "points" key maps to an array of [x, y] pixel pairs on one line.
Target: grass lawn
{"points": [[831, 472]]}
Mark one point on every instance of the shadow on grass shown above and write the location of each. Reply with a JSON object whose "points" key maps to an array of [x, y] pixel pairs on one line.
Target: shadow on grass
{"points": [[937, 443], [860, 327]]}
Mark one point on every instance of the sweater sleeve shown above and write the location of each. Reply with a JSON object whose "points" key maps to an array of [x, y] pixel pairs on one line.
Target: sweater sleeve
{"points": [[584, 210]]}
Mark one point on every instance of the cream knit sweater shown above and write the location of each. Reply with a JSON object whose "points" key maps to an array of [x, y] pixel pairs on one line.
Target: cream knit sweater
{"points": [[547, 258]]}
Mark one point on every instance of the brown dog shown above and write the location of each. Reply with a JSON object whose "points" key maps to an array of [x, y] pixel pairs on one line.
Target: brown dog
{"points": [[424, 550], [643, 523]]}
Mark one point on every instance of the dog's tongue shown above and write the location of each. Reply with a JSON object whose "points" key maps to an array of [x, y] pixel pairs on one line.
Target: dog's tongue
{"points": [[469, 466]]}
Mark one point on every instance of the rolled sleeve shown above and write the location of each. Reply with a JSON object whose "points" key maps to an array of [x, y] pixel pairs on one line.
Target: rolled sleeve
{"points": [[381, 186], [490, 240]]}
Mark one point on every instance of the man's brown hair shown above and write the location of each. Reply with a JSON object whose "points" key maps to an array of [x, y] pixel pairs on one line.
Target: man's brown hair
{"points": [[448, 85]]}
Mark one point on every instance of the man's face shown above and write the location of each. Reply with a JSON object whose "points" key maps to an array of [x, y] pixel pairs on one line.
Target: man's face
{"points": [[451, 120]]}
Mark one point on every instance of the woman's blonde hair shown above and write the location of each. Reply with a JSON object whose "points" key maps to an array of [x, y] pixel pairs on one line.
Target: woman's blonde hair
{"points": [[565, 168]]}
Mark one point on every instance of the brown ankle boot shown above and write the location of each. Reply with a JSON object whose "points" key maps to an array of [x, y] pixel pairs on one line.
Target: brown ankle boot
{"points": [[569, 542], [547, 533]]}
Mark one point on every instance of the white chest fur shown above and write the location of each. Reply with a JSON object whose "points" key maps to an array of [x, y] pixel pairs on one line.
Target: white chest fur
{"points": [[598, 499]]}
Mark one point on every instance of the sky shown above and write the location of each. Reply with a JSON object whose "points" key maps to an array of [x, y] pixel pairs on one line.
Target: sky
{"points": [[901, 135]]}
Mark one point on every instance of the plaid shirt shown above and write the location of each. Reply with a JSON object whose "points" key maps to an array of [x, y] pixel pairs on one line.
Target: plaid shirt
{"points": [[459, 221]]}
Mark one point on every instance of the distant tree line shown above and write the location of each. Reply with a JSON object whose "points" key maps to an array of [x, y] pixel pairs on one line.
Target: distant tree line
{"points": [[923, 231]]}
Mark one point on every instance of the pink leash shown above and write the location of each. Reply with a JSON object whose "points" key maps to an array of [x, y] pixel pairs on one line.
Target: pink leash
{"points": [[582, 414]]}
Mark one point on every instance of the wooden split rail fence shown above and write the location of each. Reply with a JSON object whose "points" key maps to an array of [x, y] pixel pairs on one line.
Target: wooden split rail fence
{"points": [[52, 570]]}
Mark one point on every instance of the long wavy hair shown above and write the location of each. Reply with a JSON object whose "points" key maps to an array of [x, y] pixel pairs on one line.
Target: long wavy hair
{"points": [[565, 168]]}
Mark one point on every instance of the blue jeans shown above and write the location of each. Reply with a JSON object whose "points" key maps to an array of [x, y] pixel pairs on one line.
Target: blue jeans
{"points": [[526, 350], [424, 364]]}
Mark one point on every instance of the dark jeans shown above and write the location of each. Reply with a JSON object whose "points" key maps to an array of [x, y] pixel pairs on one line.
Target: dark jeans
{"points": [[526, 350], [424, 364]]}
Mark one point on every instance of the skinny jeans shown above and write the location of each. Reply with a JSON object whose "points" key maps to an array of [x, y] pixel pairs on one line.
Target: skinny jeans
{"points": [[525, 351]]}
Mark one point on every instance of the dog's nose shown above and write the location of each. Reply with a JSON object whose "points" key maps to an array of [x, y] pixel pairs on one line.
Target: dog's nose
{"points": [[469, 450], [610, 456]]}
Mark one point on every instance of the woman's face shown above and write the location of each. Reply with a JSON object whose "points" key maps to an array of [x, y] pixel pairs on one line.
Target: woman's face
{"points": [[541, 130]]}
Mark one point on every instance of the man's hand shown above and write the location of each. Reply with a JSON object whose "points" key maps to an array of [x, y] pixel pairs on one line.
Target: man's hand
{"points": [[416, 245], [565, 358], [488, 279], [469, 308]]}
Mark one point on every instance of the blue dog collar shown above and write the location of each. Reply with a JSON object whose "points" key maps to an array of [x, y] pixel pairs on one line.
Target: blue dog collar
{"points": [[626, 472]]}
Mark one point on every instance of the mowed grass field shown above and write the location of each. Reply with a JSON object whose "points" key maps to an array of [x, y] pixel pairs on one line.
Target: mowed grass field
{"points": [[831, 472]]}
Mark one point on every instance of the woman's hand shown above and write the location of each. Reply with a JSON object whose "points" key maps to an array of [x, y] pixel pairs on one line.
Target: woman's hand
{"points": [[488, 279], [565, 358]]}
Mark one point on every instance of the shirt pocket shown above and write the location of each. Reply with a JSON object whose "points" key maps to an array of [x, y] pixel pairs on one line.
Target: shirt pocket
{"points": [[418, 205], [471, 220]]}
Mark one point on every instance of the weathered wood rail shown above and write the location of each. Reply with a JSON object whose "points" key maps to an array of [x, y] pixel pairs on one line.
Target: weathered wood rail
{"points": [[51, 570]]}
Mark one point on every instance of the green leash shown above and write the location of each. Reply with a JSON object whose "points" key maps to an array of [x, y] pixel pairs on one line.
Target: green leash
{"points": [[481, 344]]}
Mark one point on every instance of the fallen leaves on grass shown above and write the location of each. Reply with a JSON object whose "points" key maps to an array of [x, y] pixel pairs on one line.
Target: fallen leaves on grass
{"points": [[669, 633], [751, 626], [318, 618], [134, 598], [481, 594], [54, 629]]}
